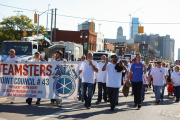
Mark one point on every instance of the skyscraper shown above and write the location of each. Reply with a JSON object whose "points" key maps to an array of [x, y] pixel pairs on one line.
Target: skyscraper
{"points": [[134, 27], [178, 53]]}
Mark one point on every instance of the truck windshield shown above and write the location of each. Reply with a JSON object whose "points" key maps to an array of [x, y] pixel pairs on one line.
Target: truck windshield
{"points": [[97, 56], [21, 48]]}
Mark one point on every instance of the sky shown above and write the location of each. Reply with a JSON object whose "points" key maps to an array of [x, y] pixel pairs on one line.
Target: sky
{"points": [[148, 11]]}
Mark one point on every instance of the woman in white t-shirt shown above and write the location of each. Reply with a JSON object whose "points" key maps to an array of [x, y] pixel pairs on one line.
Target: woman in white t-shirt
{"points": [[145, 84], [175, 76]]}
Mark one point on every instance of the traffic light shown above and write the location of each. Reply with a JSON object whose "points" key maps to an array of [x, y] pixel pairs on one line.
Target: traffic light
{"points": [[33, 33], [24, 33], [35, 18], [140, 29]]}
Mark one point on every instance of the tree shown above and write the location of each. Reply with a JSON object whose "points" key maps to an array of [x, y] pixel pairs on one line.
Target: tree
{"points": [[12, 27]]}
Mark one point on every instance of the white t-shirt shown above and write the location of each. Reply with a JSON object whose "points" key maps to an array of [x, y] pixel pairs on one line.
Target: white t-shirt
{"points": [[175, 76], [113, 78], [101, 75], [80, 75], [145, 75], [88, 74], [158, 76], [9, 59]]}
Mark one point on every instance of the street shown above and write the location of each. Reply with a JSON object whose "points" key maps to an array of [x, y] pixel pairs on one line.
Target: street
{"points": [[74, 110]]}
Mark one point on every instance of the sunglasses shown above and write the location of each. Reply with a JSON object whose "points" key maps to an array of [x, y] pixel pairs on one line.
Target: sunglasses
{"points": [[163, 64], [89, 55]]}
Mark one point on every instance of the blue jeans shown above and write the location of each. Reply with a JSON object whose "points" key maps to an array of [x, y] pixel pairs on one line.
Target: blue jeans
{"points": [[100, 86], [80, 88], [143, 92], [163, 87], [112, 94], [158, 90], [176, 92], [88, 87]]}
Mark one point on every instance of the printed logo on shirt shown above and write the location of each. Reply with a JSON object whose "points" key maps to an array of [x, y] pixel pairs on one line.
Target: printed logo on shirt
{"points": [[138, 67]]}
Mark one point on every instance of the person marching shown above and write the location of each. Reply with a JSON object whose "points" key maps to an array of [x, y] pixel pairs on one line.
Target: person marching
{"points": [[170, 71], [136, 71], [113, 80], [59, 55], [101, 79], [145, 84], [37, 59], [158, 73], [80, 87], [88, 70], [176, 83], [12, 58]]}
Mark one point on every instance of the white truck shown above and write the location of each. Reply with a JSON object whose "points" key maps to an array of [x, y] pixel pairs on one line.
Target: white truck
{"points": [[25, 48]]}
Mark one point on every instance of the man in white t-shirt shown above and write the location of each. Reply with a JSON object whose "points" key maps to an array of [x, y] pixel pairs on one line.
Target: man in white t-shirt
{"points": [[83, 58], [113, 79], [37, 59], [12, 58], [101, 80], [158, 73], [175, 76], [88, 69]]}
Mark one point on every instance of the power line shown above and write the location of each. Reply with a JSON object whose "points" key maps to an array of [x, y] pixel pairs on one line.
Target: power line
{"points": [[83, 17]]}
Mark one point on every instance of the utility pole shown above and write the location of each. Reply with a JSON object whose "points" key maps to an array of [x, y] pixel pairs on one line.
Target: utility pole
{"points": [[51, 23], [47, 20], [55, 25]]}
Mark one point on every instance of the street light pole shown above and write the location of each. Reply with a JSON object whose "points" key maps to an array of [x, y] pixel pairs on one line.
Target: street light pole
{"points": [[83, 35]]}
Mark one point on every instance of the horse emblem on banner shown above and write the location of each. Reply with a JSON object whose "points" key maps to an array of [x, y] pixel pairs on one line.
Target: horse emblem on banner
{"points": [[64, 84]]}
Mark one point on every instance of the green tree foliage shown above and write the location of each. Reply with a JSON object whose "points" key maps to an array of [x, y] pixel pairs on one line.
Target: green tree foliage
{"points": [[11, 28]]}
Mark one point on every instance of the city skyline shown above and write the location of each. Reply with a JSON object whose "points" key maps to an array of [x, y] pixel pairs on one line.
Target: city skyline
{"points": [[119, 11]]}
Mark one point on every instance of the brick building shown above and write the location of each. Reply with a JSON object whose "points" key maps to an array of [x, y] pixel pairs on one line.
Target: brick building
{"points": [[89, 43]]}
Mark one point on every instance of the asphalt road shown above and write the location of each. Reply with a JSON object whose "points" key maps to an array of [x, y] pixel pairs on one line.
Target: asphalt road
{"points": [[74, 110]]}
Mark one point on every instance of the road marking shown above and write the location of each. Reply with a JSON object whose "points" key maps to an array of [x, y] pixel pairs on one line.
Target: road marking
{"points": [[56, 113]]}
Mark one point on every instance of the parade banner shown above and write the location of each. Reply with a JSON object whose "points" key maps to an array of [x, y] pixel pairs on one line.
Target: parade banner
{"points": [[53, 80]]}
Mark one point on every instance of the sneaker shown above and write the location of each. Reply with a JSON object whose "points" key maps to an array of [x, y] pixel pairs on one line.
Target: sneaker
{"points": [[132, 93], [59, 105], [135, 105], [97, 102], [105, 101], [37, 103], [27, 101], [139, 106], [112, 109], [85, 105], [177, 101], [88, 107], [79, 98], [108, 100], [12, 102], [157, 101]]}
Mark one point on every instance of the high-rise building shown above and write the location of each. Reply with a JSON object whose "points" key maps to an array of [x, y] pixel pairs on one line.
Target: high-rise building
{"points": [[86, 26], [134, 27], [178, 53], [120, 36], [164, 44]]}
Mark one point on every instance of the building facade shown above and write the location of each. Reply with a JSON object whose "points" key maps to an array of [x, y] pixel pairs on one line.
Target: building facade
{"points": [[164, 44], [134, 27], [178, 53], [100, 41], [84, 37]]}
